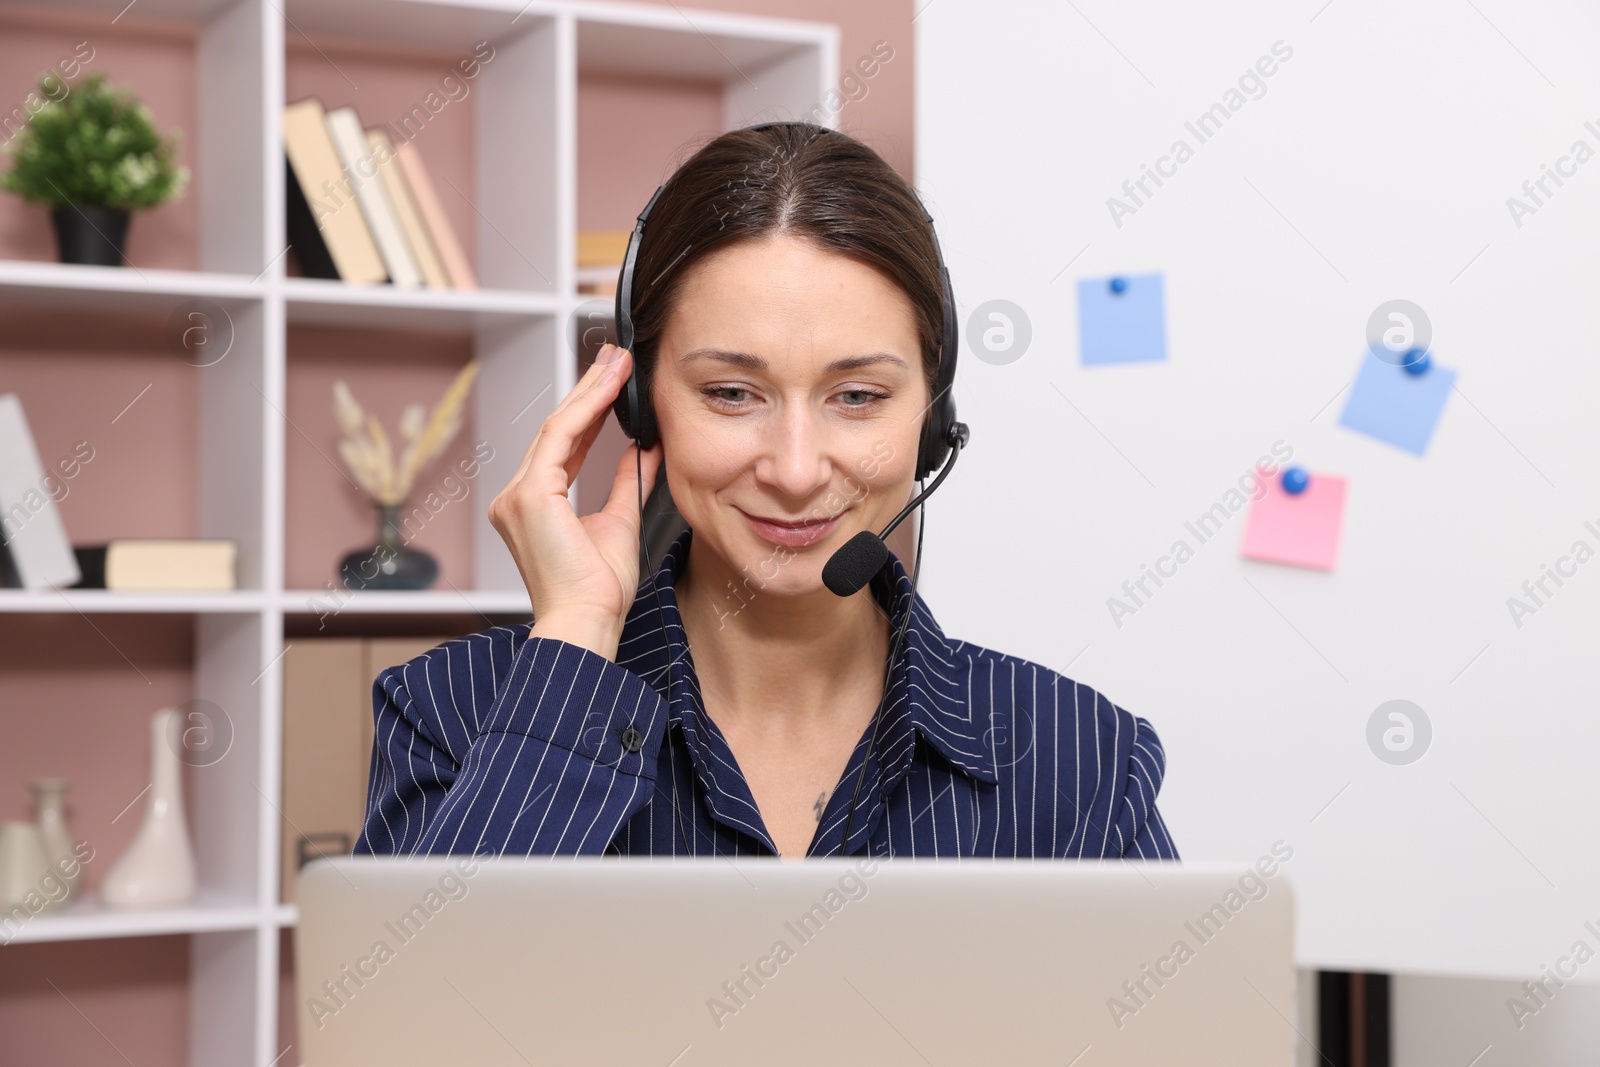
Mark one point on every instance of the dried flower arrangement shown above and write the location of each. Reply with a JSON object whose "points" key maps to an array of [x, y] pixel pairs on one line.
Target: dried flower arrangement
{"points": [[365, 448]]}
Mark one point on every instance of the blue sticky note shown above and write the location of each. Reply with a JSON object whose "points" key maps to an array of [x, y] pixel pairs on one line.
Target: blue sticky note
{"points": [[1388, 403], [1122, 327]]}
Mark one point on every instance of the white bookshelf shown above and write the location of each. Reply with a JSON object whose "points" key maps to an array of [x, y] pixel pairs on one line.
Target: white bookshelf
{"points": [[525, 200]]}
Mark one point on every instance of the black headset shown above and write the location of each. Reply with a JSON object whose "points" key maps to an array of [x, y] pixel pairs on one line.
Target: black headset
{"points": [[941, 434], [637, 416]]}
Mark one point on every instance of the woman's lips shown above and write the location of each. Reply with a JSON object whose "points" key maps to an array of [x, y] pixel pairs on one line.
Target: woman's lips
{"points": [[791, 536]]}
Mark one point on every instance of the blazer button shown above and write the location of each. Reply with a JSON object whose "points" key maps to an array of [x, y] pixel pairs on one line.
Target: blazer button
{"points": [[632, 739]]}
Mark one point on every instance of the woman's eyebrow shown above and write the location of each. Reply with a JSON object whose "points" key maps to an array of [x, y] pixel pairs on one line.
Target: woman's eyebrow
{"points": [[752, 362]]}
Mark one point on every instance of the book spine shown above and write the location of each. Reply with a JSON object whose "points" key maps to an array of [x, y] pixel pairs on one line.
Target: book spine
{"points": [[444, 235], [345, 129], [328, 195], [405, 209], [304, 236]]}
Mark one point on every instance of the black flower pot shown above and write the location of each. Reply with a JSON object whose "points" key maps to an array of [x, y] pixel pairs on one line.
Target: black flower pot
{"points": [[89, 234]]}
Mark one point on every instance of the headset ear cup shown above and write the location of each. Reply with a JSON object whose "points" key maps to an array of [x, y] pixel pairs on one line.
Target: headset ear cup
{"points": [[619, 407], [647, 429], [636, 418], [934, 446]]}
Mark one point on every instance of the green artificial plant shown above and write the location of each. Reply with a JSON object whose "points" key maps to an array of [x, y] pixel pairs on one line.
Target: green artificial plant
{"points": [[95, 146]]}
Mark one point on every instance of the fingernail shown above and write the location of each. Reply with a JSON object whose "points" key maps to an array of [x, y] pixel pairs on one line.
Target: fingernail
{"points": [[609, 353]]}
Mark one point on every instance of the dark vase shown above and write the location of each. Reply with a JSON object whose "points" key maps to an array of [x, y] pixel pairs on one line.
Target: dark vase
{"points": [[92, 235], [389, 564]]}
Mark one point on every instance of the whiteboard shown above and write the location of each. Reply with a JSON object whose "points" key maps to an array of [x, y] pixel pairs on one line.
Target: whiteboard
{"points": [[1376, 163]]}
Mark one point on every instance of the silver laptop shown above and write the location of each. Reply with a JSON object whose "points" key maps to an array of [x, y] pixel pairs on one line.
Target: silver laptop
{"points": [[663, 962]]}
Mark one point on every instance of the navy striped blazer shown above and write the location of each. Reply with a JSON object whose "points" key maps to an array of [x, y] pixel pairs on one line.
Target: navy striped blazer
{"points": [[501, 743]]}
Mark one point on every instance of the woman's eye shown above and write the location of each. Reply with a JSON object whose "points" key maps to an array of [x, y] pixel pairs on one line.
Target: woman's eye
{"points": [[716, 391], [866, 397], [734, 397]]}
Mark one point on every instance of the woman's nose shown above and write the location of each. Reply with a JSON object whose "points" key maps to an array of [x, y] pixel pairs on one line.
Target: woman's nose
{"points": [[795, 459]]}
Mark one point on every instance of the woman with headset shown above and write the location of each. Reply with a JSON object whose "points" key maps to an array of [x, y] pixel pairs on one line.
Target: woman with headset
{"points": [[777, 686]]}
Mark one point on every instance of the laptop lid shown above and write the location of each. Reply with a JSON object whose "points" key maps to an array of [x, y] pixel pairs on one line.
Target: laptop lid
{"points": [[677, 962]]}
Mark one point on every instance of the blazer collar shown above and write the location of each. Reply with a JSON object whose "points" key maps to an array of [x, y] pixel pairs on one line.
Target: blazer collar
{"points": [[927, 692]]}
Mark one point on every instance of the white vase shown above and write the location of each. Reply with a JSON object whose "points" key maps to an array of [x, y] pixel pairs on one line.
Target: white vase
{"points": [[23, 868], [158, 867], [50, 801]]}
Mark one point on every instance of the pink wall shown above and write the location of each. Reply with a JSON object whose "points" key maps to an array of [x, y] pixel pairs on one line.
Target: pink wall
{"points": [[70, 701]]}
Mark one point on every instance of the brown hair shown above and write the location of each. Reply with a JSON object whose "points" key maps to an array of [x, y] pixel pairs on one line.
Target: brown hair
{"points": [[799, 179]]}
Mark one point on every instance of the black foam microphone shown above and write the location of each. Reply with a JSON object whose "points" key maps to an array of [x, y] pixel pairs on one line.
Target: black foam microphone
{"points": [[855, 562]]}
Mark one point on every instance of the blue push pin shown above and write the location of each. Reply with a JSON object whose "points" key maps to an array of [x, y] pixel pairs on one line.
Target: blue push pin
{"points": [[1119, 286], [1295, 480], [1416, 361]]}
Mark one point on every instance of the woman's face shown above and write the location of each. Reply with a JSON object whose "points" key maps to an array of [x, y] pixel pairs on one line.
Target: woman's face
{"points": [[788, 386]]}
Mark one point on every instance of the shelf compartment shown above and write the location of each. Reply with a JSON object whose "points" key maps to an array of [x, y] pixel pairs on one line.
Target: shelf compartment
{"points": [[79, 692], [163, 50], [520, 380], [165, 413], [475, 92]]}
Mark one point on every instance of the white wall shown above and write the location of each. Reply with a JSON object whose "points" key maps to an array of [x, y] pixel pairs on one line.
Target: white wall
{"points": [[1376, 163]]}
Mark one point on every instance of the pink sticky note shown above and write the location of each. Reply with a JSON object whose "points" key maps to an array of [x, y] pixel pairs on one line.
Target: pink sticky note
{"points": [[1299, 528]]}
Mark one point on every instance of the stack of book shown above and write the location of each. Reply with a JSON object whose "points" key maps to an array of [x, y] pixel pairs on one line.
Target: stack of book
{"points": [[361, 209]]}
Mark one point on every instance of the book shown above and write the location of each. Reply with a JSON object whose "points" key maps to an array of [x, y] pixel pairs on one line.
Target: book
{"points": [[597, 286], [158, 564], [305, 237], [449, 248], [345, 129], [405, 209], [30, 524], [347, 250], [600, 256], [602, 248]]}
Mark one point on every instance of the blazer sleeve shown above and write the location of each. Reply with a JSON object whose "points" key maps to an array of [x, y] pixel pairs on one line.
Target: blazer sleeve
{"points": [[1111, 797], [549, 753], [1140, 831]]}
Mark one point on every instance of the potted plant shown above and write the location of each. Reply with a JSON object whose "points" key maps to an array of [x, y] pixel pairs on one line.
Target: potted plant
{"points": [[93, 156]]}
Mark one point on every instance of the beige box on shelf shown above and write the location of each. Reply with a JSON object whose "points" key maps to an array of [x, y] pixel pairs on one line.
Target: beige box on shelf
{"points": [[327, 742]]}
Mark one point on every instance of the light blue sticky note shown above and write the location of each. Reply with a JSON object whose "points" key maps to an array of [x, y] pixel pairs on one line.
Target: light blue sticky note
{"points": [[1388, 403], [1125, 327]]}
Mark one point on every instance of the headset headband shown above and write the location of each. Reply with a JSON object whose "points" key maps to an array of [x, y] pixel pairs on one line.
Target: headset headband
{"points": [[637, 417]]}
